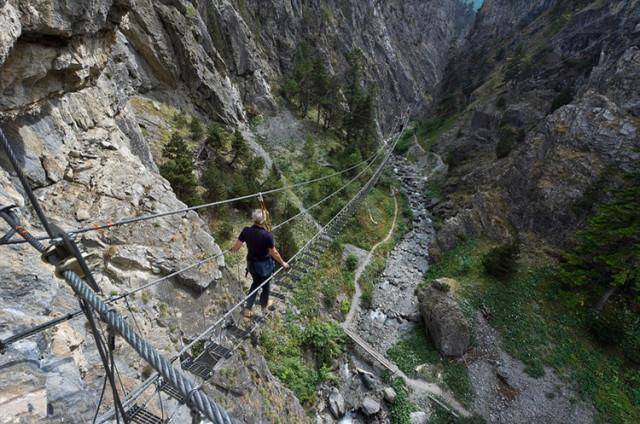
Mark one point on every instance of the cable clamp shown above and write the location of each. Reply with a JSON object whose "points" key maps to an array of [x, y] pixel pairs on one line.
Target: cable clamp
{"points": [[58, 256]]}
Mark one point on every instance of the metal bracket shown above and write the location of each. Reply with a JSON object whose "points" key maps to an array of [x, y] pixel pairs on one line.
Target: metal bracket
{"points": [[12, 231], [65, 255]]}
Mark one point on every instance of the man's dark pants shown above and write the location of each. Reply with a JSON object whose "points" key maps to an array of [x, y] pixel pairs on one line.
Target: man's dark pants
{"points": [[264, 296]]}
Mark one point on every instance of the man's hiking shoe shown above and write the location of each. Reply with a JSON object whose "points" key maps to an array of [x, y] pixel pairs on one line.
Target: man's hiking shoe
{"points": [[247, 313]]}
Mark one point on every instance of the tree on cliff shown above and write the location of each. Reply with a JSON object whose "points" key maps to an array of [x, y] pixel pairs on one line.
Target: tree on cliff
{"points": [[179, 168], [607, 251], [240, 148], [196, 131], [359, 121]]}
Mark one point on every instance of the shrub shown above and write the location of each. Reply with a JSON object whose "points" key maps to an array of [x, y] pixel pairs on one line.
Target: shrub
{"points": [[196, 131], [501, 103], [501, 262], [345, 306], [617, 325], [401, 409], [298, 377], [226, 231], [179, 169], [606, 326], [326, 339], [456, 157], [631, 343], [508, 138], [563, 98], [329, 292], [351, 263]]}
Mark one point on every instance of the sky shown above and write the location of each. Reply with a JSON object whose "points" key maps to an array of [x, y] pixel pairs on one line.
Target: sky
{"points": [[477, 4]]}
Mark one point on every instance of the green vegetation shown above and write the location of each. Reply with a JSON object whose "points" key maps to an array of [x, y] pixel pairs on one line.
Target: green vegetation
{"points": [[366, 233], [508, 138], [401, 409], [563, 98], [310, 86], [426, 132], [351, 263], [501, 262], [415, 349], [284, 343], [605, 264], [542, 323], [179, 169]]}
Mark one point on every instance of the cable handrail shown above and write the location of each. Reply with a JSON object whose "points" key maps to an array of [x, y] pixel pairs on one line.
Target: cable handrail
{"points": [[151, 379], [157, 215], [71, 315]]}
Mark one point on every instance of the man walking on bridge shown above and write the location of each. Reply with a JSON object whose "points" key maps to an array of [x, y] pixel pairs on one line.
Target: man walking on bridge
{"points": [[260, 259]]}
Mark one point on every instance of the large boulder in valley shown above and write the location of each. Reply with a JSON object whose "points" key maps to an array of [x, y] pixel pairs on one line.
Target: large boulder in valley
{"points": [[443, 318]]}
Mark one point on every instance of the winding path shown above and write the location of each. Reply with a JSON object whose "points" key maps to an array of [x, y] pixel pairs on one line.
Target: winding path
{"points": [[431, 390], [357, 297]]}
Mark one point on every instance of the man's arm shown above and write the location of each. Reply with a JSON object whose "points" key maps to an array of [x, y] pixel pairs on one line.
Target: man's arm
{"points": [[236, 246], [273, 252]]}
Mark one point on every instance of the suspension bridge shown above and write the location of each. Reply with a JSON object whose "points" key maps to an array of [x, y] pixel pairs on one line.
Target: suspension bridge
{"points": [[218, 341]]}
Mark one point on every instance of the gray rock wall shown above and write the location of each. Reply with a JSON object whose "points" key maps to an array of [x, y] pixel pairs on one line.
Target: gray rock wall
{"points": [[545, 186], [68, 73]]}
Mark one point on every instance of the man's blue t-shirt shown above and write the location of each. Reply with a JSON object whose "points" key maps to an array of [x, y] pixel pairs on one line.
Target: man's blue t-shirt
{"points": [[258, 240]]}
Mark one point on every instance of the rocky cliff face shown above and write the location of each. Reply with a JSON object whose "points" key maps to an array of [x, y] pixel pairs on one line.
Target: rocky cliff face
{"points": [[84, 89], [546, 98]]}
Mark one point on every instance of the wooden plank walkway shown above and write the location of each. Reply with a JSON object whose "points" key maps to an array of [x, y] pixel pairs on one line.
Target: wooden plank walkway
{"points": [[380, 358]]}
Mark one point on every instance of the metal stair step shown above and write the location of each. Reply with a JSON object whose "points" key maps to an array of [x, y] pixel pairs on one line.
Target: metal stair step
{"points": [[237, 332], [172, 391], [141, 415], [202, 366]]}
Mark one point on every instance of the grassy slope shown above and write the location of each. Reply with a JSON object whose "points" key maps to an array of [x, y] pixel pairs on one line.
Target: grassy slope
{"points": [[542, 325]]}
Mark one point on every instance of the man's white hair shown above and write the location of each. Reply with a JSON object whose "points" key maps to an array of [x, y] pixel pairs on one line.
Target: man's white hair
{"points": [[258, 216]]}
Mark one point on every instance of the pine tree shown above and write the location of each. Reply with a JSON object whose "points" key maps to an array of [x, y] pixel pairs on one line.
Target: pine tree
{"points": [[180, 119], [302, 75], [179, 169], [309, 150], [273, 200], [607, 251], [213, 182], [359, 122], [196, 132], [240, 148], [216, 137]]}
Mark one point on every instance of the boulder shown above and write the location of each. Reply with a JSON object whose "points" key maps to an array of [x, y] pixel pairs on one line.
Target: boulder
{"points": [[370, 406], [389, 394], [418, 417], [336, 403], [369, 380], [443, 318]]}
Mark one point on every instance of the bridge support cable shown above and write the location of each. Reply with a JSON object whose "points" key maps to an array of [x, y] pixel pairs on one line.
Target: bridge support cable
{"points": [[150, 216], [92, 301], [328, 227], [340, 216], [41, 327]]}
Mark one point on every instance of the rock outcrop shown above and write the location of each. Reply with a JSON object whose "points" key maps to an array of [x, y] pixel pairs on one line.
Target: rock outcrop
{"points": [[445, 323], [77, 83], [560, 100]]}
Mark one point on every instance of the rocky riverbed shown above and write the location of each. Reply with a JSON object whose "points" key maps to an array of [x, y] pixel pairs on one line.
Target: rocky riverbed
{"points": [[503, 392], [394, 308]]}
